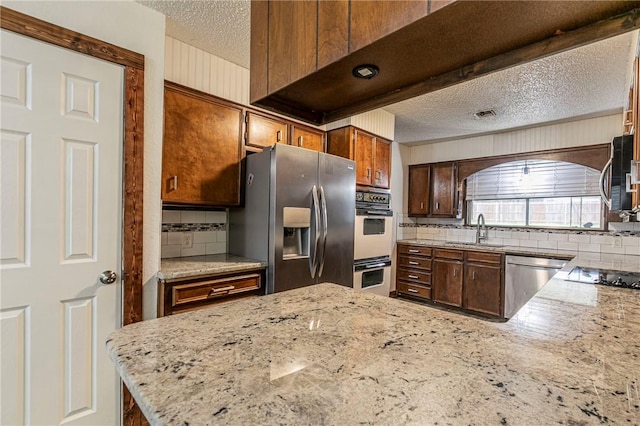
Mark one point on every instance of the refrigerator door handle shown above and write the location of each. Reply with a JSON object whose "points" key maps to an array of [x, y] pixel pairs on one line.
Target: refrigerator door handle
{"points": [[323, 203], [315, 208], [605, 199]]}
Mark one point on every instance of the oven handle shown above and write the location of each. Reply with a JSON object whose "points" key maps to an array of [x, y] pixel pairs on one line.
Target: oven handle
{"points": [[375, 213], [376, 265]]}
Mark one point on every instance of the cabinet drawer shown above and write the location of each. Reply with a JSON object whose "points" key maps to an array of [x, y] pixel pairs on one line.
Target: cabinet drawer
{"points": [[413, 290], [212, 289], [477, 256], [414, 275], [414, 262], [414, 250], [448, 254]]}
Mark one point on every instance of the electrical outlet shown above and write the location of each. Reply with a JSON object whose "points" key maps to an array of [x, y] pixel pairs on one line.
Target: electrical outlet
{"points": [[187, 240], [617, 241]]}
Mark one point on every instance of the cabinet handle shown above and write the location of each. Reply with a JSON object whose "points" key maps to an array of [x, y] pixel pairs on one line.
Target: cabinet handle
{"points": [[220, 290], [378, 175], [415, 277], [412, 290], [173, 183], [437, 206], [473, 275], [279, 136], [421, 206], [455, 272], [413, 263], [301, 141], [414, 251], [368, 172]]}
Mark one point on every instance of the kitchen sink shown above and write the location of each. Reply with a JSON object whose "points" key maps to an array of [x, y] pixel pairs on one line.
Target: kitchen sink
{"points": [[474, 244]]}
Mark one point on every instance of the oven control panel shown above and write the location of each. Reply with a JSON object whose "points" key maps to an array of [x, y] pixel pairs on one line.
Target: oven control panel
{"points": [[377, 199]]}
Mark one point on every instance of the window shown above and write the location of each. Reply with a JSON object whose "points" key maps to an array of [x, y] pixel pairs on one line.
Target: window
{"points": [[536, 193]]}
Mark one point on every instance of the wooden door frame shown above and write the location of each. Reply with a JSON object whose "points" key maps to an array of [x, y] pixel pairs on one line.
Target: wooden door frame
{"points": [[133, 150]]}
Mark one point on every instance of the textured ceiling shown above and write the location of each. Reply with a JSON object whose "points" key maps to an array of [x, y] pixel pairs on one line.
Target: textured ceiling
{"points": [[220, 27], [589, 81]]}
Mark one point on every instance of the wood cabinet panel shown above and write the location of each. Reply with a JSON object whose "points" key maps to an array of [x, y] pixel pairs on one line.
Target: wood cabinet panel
{"points": [[306, 137], [444, 200], [202, 149], [382, 163], [364, 158], [447, 282], [482, 289], [372, 20], [264, 131], [419, 185], [292, 43], [333, 31], [259, 50]]}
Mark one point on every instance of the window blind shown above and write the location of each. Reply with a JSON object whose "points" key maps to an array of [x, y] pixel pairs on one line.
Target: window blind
{"points": [[533, 179]]}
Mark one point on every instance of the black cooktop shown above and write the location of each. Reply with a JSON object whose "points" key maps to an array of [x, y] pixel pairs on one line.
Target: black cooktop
{"points": [[605, 277]]}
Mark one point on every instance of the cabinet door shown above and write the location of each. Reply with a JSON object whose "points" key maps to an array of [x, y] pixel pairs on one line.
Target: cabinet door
{"points": [[482, 289], [419, 190], [446, 282], [263, 131], [443, 194], [382, 163], [364, 158], [306, 137], [201, 150]]}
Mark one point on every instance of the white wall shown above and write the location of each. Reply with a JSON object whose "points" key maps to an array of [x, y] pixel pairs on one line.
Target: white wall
{"points": [[200, 70], [132, 26], [575, 133]]}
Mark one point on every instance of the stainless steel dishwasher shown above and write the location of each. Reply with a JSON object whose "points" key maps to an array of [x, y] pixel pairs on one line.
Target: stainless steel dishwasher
{"points": [[524, 276]]}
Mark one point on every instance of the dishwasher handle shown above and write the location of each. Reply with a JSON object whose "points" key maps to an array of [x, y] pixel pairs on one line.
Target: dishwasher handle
{"points": [[536, 262]]}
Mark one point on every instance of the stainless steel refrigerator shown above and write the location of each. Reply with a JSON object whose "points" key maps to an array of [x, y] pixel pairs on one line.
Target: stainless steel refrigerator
{"points": [[298, 215]]}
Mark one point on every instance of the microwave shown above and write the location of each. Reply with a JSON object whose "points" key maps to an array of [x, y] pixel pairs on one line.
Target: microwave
{"points": [[621, 177]]}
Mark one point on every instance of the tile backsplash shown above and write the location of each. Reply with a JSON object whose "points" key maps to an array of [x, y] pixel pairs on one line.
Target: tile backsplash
{"points": [[193, 233], [623, 238]]}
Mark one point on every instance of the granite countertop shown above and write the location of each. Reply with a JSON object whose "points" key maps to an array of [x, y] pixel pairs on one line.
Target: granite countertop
{"points": [[327, 354], [195, 266], [500, 248]]}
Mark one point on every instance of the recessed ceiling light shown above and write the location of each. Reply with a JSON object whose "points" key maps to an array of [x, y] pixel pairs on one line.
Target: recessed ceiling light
{"points": [[365, 71], [485, 114]]}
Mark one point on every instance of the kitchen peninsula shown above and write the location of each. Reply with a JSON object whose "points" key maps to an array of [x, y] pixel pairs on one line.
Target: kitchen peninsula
{"points": [[327, 354]]}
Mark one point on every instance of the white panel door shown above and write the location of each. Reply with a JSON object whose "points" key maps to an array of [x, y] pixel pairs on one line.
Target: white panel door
{"points": [[60, 216]]}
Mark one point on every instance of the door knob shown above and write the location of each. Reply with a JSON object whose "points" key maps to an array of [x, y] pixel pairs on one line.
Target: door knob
{"points": [[108, 277]]}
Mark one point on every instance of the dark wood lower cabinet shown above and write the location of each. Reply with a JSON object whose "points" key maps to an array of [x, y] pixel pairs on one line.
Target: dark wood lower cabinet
{"points": [[447, 282], [467, 279], [482, 288]]}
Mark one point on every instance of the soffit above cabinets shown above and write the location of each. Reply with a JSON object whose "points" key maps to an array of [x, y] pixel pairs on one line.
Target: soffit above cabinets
{"points": [[456, 43]]}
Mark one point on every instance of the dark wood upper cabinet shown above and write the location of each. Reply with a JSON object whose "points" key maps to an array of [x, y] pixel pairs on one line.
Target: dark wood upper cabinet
{"points": [[202, 149], [303, 52], [419, 184], [307, 137], [263, 130], [444, 197], [364, 145], [371, 154]]}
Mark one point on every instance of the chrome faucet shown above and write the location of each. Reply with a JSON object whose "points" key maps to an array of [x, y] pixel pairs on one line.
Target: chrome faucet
{"points": [[481, 230]]}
